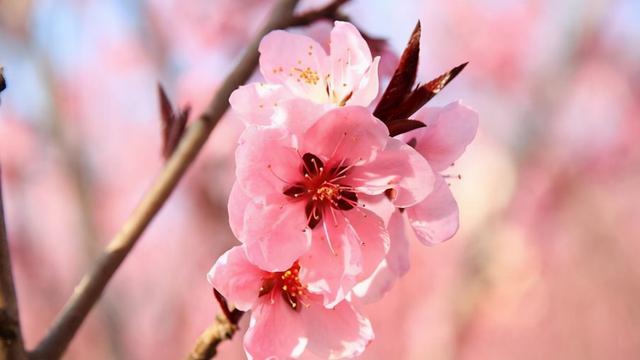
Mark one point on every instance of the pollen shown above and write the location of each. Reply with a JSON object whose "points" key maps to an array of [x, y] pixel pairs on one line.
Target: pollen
{"points": [[308, 75], [327, 191], [322, 188], [288, 284]]}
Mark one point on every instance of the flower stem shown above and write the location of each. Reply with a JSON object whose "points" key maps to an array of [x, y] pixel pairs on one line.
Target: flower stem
{"points": [[207, 344], [11, 345]]}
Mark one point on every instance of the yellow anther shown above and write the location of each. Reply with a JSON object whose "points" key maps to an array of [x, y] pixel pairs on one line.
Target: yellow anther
{"points": [[308, 75]]}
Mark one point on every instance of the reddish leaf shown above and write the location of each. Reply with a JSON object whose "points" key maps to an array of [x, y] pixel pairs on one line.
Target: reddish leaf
{"points": [[173, 125], [166, 114], [422, 94], [233, 315], [403, 78], [176, 131], [3, 83], [401, 126]]}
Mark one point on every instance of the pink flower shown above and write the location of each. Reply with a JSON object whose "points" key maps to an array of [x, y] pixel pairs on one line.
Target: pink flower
{"points": [[288, 318], [449, 130], [326, 189], [435, 219], [298, 70]]}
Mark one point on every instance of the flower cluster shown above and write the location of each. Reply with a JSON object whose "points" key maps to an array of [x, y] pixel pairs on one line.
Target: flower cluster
{"points": [[325, 197]]}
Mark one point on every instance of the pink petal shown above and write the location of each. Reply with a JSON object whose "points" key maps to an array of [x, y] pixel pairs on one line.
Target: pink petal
{"points": [[350, 61], [374, 288], [349, 133], [373, 238], [236, 206], [336, 333], [275, 234], [266, 162], [275, 332], [368, 88], [236, 278], [349, 50], [296, 61], [331, 265], [398, 255], [297, 115], [391, 268], [435, 219], [379, 205], [399, 167], [449, 130], [257, 102]]}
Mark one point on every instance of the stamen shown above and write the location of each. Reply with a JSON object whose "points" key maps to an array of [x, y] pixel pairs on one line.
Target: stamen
{"points": [[343, 102], [272, 297], [347, 200], [312, 165], [452, 176], [277, 176], [267, 285], [326, 233], [335, 218], [313, 215], [344, 135], [342, 170], [326, 80], [295, 191]]}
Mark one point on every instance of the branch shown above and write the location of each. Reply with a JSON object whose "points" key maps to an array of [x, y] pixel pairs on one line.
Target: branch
{"points": [[329, 12], [90, 288], [74, 165], [11, 345], [207, 344], [223, 328]]}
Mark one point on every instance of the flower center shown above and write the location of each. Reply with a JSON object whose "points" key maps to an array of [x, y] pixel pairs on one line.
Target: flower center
{"points": [[327, 191], [322, 189], [289, 285]]}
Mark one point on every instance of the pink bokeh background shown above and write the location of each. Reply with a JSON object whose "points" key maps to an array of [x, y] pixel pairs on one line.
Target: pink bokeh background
{"points": [[544, 265]]}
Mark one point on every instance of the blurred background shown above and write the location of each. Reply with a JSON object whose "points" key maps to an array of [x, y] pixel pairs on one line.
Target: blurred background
{"points": [[545, 265]]}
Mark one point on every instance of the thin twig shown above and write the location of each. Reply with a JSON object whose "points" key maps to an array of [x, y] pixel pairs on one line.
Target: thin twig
{"points": [[92, 284], [207, 344], [329, 12], [222, 329], [11, 345], [74, 164]]}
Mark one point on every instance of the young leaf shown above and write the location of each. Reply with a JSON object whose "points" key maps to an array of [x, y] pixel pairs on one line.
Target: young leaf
{"points": [[177, 130], [233, 315], [173, 124], [403, 78], [3, 83], [422, 94]]}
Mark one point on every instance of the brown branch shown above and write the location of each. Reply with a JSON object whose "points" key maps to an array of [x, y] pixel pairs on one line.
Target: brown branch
{"points": [[92, 285], [74, 165], [222, 329], [207, 344], [329, 12], [11, 345]]}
